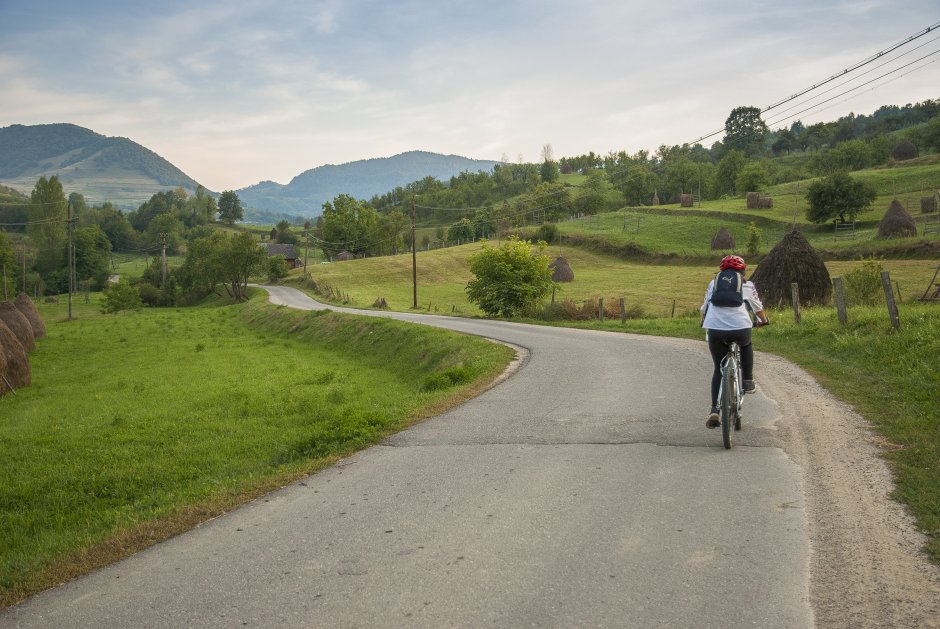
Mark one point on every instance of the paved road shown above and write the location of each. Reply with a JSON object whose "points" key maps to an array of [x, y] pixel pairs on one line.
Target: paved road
{"points": [[582, 491]]}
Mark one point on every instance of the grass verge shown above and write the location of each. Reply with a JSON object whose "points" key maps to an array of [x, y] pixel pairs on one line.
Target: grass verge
{"points": [[142, 424]]}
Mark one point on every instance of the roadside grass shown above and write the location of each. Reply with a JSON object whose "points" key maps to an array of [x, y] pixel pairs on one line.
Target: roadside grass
{"points": [[140, 425]]}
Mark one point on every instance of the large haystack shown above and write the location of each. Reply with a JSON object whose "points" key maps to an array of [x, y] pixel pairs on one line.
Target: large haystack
{"points": [[765, 203], [793, 259], [686, 200], [345, 255], [18, 324], [897, 223], [561, 270], [928, 205], [25, 305], [17, 372], [904, 150], [753, 198], [723, 240], [3, 370]]}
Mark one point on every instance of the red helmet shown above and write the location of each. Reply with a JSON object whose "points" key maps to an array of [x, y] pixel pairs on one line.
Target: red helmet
{"points": [[733, 262]]}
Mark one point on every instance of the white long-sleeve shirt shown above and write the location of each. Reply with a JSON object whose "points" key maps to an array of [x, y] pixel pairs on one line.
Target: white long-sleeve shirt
{"points": [[730, 317]]}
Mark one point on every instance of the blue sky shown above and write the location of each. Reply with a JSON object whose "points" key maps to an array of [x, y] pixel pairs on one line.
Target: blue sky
{"points": [[239, 92]]}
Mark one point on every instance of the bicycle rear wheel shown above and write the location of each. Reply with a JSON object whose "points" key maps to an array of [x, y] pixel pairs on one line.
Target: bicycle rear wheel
{"points": [[728, 410]]}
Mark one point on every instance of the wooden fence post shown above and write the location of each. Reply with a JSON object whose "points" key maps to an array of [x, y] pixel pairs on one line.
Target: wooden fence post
{"points": [[623, 312], [840, 300], [889, 296], [673, 313], [795, 293], [600, 308]]}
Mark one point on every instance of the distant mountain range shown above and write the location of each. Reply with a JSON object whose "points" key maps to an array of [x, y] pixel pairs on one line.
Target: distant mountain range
{"points": [[125, 173], [363, 179]]}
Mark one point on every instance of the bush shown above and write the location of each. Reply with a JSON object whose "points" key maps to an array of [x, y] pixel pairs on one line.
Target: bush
{"points": [[277, 268], [755, 238], [121, 296], [547, 233], [151, 295], [863, 285], [508, 279]]}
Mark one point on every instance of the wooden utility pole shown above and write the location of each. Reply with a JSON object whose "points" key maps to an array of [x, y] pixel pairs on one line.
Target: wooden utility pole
{"points": [[306, 244], [70, 259], [163, 260], [414, 259]]}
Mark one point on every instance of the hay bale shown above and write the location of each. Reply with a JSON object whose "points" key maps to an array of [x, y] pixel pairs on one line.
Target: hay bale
{"points": [[928, 205], [655, 200], [723, 240], [903, 150], [25, 305], [793, 259], [3, 371], [17, 370], [897, 223], [765, 203], [18, 324], [561, 270], [753, 200], [686, 200]]}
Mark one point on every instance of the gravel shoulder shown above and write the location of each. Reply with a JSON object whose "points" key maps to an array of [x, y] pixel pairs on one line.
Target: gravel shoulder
{"points": [[867, 568]]}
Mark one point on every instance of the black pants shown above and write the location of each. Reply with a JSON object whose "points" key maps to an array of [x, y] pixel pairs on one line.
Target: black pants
{"points": [[718, 341]]}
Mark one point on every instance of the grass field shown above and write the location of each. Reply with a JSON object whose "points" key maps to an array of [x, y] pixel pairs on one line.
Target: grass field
{"points": [[140, 425]]}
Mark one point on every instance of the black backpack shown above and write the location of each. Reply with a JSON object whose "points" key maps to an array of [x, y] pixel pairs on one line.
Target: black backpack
{"points": [[728, 289]]}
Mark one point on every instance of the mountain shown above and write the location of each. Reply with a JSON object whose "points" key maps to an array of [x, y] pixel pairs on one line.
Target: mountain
{"points": [[306, 193], [100, 168]]}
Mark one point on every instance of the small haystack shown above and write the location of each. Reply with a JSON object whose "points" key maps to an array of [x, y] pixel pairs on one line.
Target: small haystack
{"points": [[723, 240], [928, 205], [765, 203], [686, 200], [793, 259], [897, 223], [18, 324], [903, 150], [25, 305], [561, 270], [655, 200], [753, 198], [17, 373]]}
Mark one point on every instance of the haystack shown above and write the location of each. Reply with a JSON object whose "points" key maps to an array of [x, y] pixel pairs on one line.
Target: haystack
{"points": [[723, 240], [793, 259], [686, 200], [345, 255], [753, 199], [897, 223], [3, 370], [25, 305], [561, 270], [17, 372], [655, 200], [18, 324], [765, 203], [903, 150], [928, 205]]}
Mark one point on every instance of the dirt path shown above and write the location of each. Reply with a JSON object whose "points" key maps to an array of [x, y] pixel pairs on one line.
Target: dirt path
{"points": [[867, 568]]}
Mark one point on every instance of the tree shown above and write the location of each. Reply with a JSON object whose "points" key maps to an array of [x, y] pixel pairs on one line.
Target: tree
{"points": [[509, 279], [837, 196], [217, 259], [745, 131], [726, 175], [752, 177], [460, 232], [48, 210], [230, 207], [121, 296], [549, 171], [92, 255], [594, 193]]}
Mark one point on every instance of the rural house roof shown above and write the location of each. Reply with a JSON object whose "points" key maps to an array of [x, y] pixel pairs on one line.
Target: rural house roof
{"points": [[287, 251]]}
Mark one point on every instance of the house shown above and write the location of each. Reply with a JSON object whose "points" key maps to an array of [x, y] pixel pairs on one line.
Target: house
{"points": [[288, 252]]}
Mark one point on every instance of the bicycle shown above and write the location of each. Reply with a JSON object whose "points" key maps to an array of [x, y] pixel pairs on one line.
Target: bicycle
{"points": [[730, 393]]}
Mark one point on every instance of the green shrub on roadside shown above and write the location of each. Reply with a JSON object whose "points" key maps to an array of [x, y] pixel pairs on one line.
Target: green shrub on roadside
{"points": [[121, 296], [863, 284]]}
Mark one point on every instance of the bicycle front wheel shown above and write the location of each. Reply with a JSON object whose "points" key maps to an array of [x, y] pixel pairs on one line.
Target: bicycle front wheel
{"points": [[728, 410]]}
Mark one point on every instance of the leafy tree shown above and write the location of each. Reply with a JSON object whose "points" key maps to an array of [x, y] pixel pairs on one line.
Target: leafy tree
{"points": [[7, 262], [594, 193], [745, 130], [846, 156], [218, 259], [230, 207], [837, 196], [755, 239], [92, 255], [277, 268], [48, 211], [549, 171], [638, 184], [726, 175], [349, 224], [509, 279], [283, 233], [752, 177], [785, 141], [167, 224], [461, 231]]}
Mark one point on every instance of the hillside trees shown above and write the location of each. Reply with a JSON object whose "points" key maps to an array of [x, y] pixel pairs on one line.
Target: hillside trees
{"points": [[349, 225], [594, 193], [745, 130], [48, 213], [837, 196], [726, 175], [218, 259], [92, 255]]}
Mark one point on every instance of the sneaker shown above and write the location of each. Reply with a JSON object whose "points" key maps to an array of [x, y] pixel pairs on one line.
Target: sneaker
{"points": [[749, 386], [713, 421]]}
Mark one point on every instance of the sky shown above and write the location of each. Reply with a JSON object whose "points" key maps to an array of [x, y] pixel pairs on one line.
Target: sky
{"points": [[234, 93]]}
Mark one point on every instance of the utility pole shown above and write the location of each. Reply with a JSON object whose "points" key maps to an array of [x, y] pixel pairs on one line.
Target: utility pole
{"points": [[306, 244], [163, 261], [414, 258], [70, 259]]}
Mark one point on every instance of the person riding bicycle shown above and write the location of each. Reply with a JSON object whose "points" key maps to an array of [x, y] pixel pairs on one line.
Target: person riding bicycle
{"points": [[725, 319]]}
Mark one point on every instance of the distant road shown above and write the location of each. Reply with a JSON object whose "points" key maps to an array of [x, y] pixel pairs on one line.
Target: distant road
{"points": [[582, 491]]}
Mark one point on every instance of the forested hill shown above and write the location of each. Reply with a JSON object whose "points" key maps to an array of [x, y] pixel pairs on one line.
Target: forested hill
{"points": [[306, 193], [99, 167]]}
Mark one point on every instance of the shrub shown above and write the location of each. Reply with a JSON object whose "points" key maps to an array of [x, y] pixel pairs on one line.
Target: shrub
{"points": [[508, 279], [547, 233], [121, 296], [863, 284], [277, 268], [755, 238]]}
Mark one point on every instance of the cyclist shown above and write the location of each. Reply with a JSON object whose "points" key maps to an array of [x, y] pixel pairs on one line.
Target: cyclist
{"points": [[725, 319]]}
